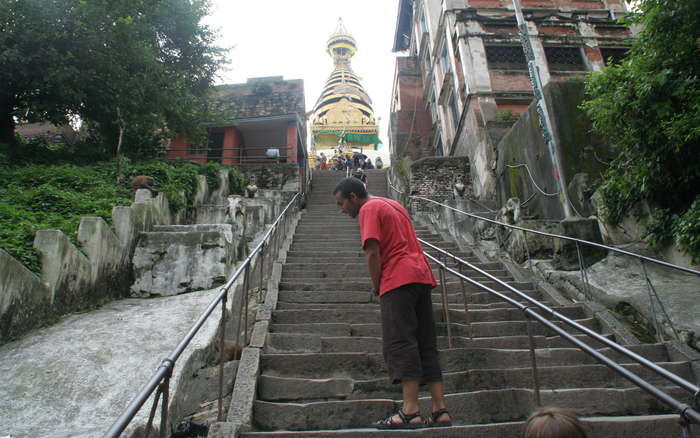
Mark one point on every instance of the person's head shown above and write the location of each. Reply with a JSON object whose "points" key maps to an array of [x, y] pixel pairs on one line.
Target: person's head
{"points": [[350, 195], [553, 423]]}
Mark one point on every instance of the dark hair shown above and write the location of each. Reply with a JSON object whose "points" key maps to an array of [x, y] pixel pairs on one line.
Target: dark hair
{"points": [[553, 423], [351, 185]]}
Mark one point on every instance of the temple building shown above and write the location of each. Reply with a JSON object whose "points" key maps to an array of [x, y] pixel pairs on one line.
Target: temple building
{"points": [[343, 117]]}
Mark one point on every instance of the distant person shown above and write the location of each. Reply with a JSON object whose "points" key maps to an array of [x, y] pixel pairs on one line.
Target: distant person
{"points": [[324, 161], [378, 163], [553, 423], [368, 164], [359, 174]]}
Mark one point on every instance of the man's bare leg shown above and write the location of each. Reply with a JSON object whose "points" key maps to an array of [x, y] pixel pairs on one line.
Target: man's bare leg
{"points": [[437, 396]]}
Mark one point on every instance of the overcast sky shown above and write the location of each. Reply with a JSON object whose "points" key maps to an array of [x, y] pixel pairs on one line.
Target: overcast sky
{"points": [[288, 38]]}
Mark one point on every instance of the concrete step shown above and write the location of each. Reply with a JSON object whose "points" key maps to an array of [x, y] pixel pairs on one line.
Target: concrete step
{"points": [[482, 407], [360, 366], [643, 426], [371, 315], [453, 300], [305, 343], [360, 284], [477, 329]]}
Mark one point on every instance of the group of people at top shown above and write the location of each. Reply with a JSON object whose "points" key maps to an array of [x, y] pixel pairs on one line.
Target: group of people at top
{"points": [[340, 161]]}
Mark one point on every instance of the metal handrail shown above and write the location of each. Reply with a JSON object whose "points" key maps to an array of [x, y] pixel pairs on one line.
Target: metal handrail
{"points": [[617, 347], [162, 375], [683, 409], [558, 236]]}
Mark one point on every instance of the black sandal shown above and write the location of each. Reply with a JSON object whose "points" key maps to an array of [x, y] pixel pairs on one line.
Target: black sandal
{"points": [[405, 423], [435, 415]]}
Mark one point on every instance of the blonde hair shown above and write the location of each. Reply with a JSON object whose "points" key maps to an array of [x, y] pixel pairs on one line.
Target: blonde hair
{"points": [[553, 423]]}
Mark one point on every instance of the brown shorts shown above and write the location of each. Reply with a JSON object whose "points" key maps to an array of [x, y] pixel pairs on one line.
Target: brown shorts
{"points": [[408, 334]]}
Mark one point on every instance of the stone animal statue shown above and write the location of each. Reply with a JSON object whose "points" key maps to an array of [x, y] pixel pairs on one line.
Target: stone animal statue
{"points": [[232, 350], [580, 192], [144, 182], [510, 213], [251, 189], [459, 189]]}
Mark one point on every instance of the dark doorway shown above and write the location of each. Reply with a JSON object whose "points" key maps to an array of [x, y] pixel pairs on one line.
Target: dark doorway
{"points": [[215, 146]]}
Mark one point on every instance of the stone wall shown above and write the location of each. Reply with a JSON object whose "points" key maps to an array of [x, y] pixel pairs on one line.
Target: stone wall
{"points": [[279, 176], [523, 149], [434, 177], [75, 278], [259, 97]]}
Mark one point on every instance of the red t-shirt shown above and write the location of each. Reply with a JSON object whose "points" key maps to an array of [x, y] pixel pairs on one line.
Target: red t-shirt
{"points": [[402, 258]]}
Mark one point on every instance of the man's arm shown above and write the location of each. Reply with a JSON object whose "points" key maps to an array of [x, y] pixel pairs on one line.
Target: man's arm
{"points": [[374, 262]]}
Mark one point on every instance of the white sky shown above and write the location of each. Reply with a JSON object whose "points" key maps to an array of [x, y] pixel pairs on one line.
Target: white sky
{"points": [[288, 38]]}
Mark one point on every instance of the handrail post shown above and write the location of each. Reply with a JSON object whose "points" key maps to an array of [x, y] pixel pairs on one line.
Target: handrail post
{"points": [[164, 406], [652, 295], [246, 282], [445, 307], [220, 415], [261, 260], [465, 302], [584, 274], [533, 359]]}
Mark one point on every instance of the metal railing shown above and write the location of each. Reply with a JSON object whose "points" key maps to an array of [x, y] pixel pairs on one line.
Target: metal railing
{"points": [[653, 295], [687, 413], [240, 154], [160, 381]]}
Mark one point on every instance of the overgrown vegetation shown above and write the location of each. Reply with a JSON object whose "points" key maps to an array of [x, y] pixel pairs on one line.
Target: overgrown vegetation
{"points": [[42, 196], [649, 106]]}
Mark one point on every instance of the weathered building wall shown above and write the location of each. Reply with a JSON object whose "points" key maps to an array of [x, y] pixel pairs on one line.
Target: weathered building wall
{"points": [[410, 129], [580, 151]]}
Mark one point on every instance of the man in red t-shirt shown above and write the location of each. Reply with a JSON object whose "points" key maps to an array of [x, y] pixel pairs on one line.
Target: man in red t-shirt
{"points": [[403, 278]]}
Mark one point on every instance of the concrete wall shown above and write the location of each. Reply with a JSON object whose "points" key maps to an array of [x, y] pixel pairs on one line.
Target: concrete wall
{"points": [[580, 151]]}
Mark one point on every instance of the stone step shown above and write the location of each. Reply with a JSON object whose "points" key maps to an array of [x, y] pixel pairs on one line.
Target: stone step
{"points": [[330, 297], [363, 316], [306, 343], [642, 426], [361, 366], [481, 407], [361, 284], [453, 300], [477, 329], [346, 255]]}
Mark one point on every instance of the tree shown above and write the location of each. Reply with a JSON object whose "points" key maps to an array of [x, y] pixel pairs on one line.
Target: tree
{"points": [[649, 105], [128, 65]]}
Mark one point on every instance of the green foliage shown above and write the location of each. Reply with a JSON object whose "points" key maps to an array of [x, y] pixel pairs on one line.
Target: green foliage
{"points": [[236, 181], [39, 197], [507, 116], [686, 231], [141, 67], [211, 172], [649, 106]]}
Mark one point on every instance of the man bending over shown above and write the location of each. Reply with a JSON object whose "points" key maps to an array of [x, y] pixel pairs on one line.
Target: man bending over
{"points": [[403, 279]]}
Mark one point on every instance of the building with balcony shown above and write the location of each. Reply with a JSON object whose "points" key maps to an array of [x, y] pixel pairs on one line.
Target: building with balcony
{"points": [[259, 121]]}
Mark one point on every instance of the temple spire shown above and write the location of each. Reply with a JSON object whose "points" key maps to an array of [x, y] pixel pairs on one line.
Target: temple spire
{"points": [[343, 115]]}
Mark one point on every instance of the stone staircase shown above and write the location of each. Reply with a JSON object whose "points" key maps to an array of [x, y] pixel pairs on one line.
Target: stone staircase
{"points": [[322, 372]]}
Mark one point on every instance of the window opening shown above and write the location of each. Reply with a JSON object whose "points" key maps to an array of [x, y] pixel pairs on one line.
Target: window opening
{"points": [[613, 55], [506, 58], [564, 58]]}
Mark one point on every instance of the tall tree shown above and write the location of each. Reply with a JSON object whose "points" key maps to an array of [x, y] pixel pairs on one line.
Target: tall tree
{"points": [[128, 65], [649, 105]]}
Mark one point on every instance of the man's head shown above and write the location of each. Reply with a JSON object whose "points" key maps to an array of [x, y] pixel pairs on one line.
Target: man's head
{"points": [[350, 195]]}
